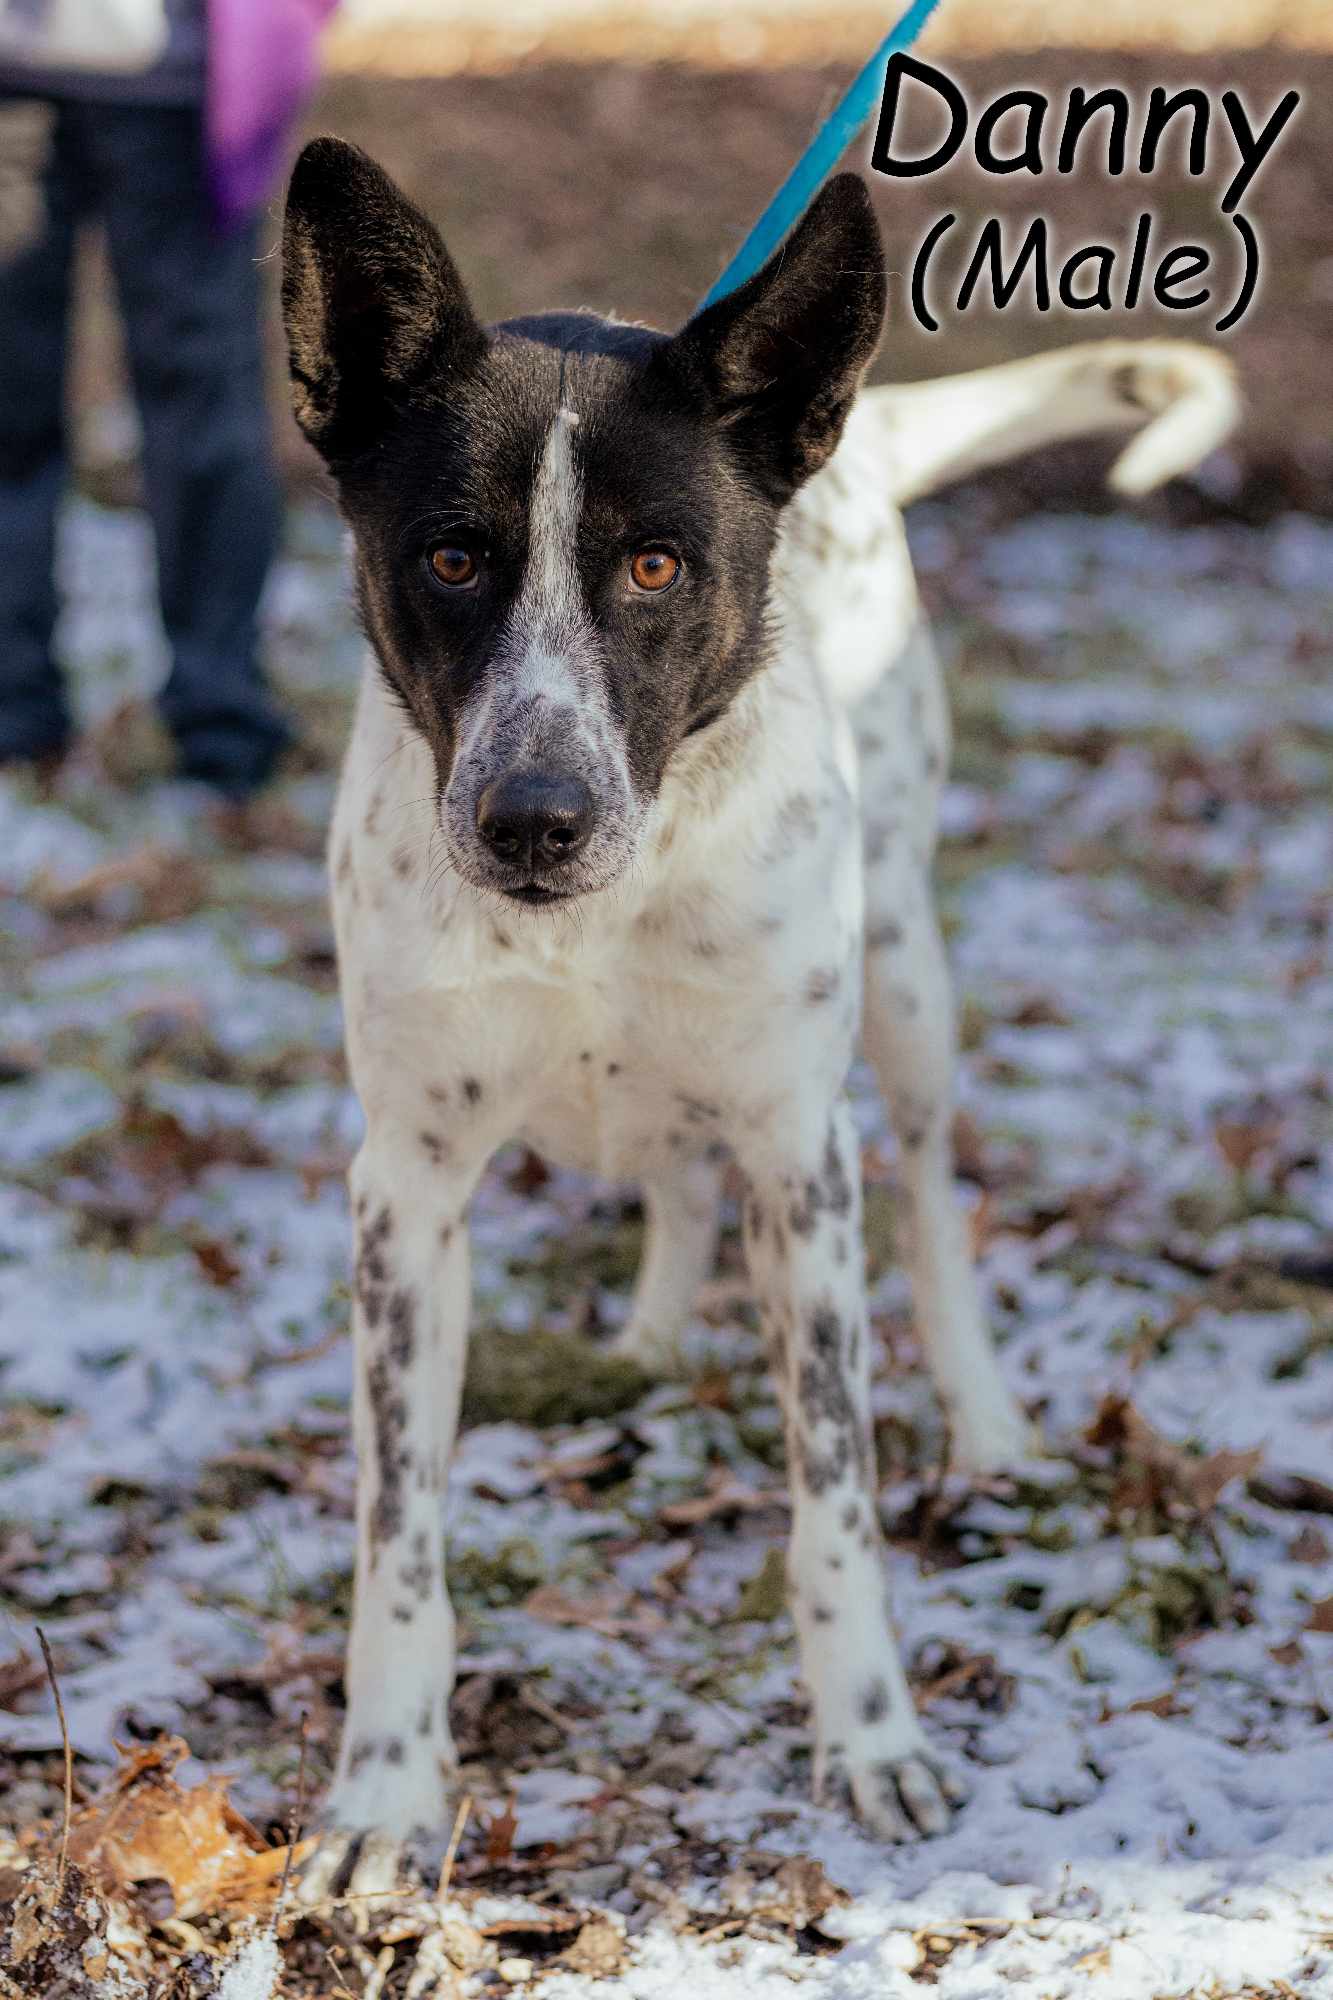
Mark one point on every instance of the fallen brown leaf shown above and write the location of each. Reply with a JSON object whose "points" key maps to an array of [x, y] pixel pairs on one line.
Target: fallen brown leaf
{"points": [[969, 1147], [1038, 1010], [500, 1831], [166, 886], [808, 1895], [18, 1676], [981, 1223], [598, 1951], [724, 1497], [216, 1262], [1152, 1471], [1207, 1477], [977, 1675], [713, 1390], [1240, 1141], [1309, 1546], [1154, 1704], [612, 1612], [143, 1827]]}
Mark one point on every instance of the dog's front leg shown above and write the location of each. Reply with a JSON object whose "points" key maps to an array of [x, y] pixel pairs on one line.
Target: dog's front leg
{"points": [[410, 1315], [803, 1237]]}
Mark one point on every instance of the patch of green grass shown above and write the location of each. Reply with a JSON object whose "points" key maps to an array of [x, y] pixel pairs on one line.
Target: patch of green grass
{"points": [[957, 861], [489, 1582], [879, 1224], [764, 1596], [328, 1597], [1170, 1603], [571, 1266], [982, 741], [543, 1378]]}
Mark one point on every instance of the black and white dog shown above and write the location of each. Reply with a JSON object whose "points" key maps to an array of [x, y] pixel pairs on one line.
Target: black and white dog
{"points": [[634, 836]]}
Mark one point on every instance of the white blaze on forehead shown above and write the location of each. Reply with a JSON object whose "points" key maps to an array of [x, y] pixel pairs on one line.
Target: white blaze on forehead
{"points": [[551, 686], [550, 604]]}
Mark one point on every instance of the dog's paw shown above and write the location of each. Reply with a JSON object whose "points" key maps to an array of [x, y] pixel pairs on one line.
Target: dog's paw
{"points": [[345, 1863], [371, 1820], [993, 1439], [657, 1352], [909, 1795]]}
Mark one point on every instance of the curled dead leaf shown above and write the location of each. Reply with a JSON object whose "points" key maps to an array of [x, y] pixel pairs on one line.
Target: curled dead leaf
{"points": [[163, 887], [978, 1677], [1153, 1471], [598, 1951], [1154, 1704], [808, 1895], [1242, 1140], [216, 1262], [724, 1498], [613, 1613], [500, 1831], [144, 1827], [20, 1675]]}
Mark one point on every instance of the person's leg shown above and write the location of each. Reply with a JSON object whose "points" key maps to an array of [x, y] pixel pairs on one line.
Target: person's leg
{"points": [[190, 300], [34, 300]]}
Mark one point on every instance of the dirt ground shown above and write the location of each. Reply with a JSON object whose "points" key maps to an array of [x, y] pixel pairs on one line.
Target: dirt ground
{"points": [[627, 187]]}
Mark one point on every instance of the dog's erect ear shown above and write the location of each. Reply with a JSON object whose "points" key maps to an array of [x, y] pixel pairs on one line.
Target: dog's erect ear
{"points": [[370, 297], [782, 356]]}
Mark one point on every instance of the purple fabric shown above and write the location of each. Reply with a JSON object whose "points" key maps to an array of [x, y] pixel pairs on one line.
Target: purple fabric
{"points": [[262, 64]]}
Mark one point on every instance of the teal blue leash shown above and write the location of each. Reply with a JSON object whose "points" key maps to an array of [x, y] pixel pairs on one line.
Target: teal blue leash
{"points": [[820, 157]]}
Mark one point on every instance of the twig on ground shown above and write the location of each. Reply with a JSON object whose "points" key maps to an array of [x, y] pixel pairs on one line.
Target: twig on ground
{"points": [[341, 1991], [69, 1762], [379, 1972], [539, 1705], [296, 1826], [451, 1851]]}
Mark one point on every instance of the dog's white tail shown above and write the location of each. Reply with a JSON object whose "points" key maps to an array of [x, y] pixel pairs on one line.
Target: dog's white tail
{"points": [[1184, 395]]}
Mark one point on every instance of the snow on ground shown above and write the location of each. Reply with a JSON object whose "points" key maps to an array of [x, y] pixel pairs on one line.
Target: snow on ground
{"points": [[1128, 1645]]}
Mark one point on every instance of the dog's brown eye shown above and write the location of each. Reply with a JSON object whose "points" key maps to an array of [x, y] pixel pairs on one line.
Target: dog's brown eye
{"points": [[452, 566], [653, 569]]}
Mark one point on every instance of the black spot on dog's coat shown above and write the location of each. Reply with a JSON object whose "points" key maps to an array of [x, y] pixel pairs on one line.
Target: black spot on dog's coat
{"points": [[372, 1269], [886, 935], [388, 1411], [874, 1703], [402, 1327]]}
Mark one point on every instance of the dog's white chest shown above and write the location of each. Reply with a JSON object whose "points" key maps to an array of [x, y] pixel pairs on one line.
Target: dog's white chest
{"points": [[627, 1071]]}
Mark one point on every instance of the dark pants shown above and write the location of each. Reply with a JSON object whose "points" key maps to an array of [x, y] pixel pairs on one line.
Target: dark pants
{"points": [[190, 303]]}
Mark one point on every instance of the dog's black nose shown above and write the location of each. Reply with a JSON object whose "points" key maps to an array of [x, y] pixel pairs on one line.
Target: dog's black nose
{"points": [[535, 819]]}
